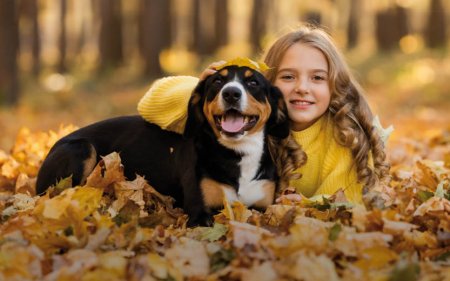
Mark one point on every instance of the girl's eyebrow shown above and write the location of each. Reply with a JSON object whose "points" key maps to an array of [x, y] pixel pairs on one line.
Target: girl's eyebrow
{"points": [[312, 70]]}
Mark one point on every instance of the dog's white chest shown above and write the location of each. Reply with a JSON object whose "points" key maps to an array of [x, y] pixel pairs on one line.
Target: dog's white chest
{"points": [[250, 190]]}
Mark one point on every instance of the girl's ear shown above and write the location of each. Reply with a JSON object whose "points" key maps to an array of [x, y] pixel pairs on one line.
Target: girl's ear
{"points": [[278, 123], [195, 116]]}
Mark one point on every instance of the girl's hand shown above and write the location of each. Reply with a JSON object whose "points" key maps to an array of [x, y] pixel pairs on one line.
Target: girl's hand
{"points": [[293, 198], [210, 70]]}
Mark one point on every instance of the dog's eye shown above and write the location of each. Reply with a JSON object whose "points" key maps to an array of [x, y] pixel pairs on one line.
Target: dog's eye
{"points": [[217, 81], [252, 83]]}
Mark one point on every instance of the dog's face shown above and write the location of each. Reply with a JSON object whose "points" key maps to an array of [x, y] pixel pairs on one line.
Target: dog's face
{"points": [[237, 102]]}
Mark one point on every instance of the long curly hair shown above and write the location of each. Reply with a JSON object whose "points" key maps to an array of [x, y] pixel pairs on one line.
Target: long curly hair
{"points": [[348, 106]]}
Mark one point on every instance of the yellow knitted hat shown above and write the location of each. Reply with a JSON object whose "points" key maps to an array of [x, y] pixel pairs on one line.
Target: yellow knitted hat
{"points": [[165, 103]]}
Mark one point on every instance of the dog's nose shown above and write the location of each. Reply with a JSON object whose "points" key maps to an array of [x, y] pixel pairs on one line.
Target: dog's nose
{"points": [[231, 95]]}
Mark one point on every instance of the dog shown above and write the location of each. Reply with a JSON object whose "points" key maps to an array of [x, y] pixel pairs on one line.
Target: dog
{"points": [[222, 152]]}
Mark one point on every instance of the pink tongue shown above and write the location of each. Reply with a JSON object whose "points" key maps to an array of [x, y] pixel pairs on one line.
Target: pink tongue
{"points": [[232, 124]]}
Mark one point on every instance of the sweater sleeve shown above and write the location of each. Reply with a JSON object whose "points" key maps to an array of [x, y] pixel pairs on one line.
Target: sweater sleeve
{"points": [[165, 103]]}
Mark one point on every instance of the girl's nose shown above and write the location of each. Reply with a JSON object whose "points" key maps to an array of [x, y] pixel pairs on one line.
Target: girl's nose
{"points": [[302, 86]]}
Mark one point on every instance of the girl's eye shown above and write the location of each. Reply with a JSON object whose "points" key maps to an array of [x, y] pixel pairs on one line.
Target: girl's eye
{"points": [[286, 77], [318, 77]]}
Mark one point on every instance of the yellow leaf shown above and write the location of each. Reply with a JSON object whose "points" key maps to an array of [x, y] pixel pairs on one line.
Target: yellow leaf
{"points": [[87, 200], [245, 62], [375, 258], [55, 207]]}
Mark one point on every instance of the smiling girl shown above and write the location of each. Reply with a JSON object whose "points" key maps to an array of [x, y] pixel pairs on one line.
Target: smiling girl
{"points": [[330, 118]]}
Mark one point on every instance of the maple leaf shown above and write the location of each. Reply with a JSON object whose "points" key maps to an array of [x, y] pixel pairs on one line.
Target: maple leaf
{"points": [[258, 66]]}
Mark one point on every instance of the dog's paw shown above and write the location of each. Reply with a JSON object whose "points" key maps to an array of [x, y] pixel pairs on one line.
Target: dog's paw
{"points": [[203, 219]]}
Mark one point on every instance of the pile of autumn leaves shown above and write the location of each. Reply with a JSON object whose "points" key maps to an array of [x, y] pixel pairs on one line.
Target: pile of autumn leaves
{"points": [[114, 229]]}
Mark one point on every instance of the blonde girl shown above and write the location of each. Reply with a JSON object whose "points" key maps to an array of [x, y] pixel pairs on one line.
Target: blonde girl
{"points": [[330, 119]]}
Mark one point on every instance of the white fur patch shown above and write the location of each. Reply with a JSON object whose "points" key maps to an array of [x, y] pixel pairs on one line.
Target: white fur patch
{"points": [[230, 194], [252, 149], [252, 192]]}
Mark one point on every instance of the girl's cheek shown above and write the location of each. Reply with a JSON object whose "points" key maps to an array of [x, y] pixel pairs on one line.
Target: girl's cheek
{"points": [[283, 88]]}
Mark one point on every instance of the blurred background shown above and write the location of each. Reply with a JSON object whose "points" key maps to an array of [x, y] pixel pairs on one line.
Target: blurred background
{"points": [[78, 61]]}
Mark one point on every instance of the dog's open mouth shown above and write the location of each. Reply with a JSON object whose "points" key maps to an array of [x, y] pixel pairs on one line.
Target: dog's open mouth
{"points": [[233, 122]]}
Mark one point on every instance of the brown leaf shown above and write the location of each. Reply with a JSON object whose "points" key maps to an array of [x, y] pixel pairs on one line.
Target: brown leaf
{"points": [[108, 171]]}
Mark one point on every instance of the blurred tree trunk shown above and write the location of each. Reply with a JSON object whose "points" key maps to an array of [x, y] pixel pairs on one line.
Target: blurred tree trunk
{"points": [[203, 42], [402, 19], [353, 24], [391, 25], [9, 42], [313, 17], [221, 23], [36, 38], [260, 14], [436, 28], [110, 41], [384, 30], [154, 33], [29, 12], [62, 41]]}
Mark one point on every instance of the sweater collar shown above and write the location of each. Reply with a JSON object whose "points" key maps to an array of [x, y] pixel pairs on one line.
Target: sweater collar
{"points": [[310, 134]]}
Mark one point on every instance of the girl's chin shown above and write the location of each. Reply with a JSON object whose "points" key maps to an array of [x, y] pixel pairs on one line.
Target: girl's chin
{"points": [[300, 123]]}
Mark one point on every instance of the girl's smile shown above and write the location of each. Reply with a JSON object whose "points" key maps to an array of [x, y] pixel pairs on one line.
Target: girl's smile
{"points": [[301, 104]]}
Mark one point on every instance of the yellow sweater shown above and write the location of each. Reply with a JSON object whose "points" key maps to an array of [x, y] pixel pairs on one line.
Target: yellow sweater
{"points": [[329, 166]]}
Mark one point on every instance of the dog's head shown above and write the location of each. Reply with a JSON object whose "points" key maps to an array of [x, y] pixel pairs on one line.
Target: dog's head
{"points": [[237, 102]]}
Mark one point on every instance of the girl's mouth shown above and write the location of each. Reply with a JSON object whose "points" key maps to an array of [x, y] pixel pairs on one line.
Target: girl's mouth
{"points": [[301, 103]]}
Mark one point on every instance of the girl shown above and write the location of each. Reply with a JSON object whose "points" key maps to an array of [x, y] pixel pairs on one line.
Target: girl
{"points": [[330, 118]]}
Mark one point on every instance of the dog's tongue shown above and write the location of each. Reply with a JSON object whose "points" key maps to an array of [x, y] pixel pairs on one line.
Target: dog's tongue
{"points": [[232, 123]]}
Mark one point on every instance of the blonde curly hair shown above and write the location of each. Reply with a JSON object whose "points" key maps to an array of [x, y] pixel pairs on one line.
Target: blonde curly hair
{"points": [[348, 106]]}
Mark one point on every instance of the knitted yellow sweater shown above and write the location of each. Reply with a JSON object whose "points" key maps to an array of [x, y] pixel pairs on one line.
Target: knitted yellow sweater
{"points": [[329, 166], [165, 103]]}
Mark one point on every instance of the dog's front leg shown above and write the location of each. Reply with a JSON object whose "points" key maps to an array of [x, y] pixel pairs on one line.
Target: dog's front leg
{"points": [[195, 208], [194, 205]]}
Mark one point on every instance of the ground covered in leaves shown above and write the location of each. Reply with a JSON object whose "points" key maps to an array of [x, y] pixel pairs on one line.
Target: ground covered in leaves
{"points": [[118, 229]]}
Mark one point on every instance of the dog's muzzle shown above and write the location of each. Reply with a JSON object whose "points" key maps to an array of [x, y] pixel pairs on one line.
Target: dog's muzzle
{"points": [[233, 122]]}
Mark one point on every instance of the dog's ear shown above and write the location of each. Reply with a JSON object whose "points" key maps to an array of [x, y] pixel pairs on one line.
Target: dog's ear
{"points": [[278, 124], [195, 116]]}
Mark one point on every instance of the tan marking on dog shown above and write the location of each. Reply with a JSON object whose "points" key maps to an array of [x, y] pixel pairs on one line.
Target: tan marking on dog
{"points": [[195, 98], [213, 192], [210, 109], [268, 188], [89, 164], [262, 110], [224, 72], [248, 73]]}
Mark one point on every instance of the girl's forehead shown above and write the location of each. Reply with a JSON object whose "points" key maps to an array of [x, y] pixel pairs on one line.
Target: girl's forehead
{"points": [[304, 55]]}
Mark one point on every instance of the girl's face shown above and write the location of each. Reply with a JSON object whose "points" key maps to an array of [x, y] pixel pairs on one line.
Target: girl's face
{"points": [[302, 77]]}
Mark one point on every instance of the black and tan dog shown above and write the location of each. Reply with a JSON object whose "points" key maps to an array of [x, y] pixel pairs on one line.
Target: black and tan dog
{"points": [[223, 151]]}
